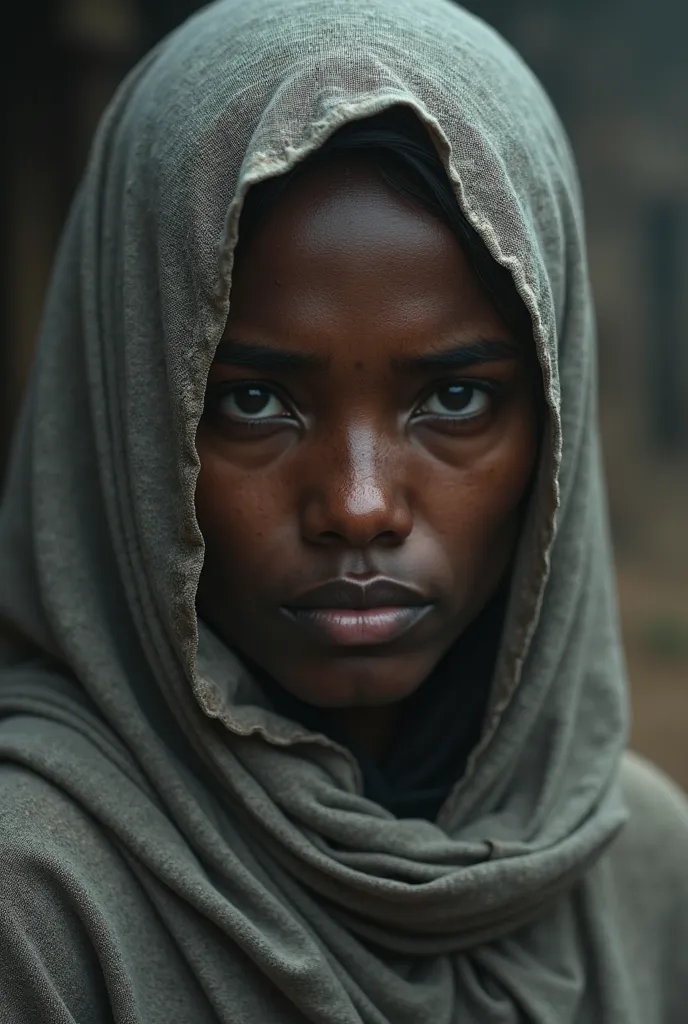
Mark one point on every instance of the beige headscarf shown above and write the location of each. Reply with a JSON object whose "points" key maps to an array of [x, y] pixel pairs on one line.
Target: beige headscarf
{"points": [[239, 874]]}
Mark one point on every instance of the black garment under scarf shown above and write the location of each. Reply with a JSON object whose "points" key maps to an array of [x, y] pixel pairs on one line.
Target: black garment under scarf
{"points": [[439, 725]]}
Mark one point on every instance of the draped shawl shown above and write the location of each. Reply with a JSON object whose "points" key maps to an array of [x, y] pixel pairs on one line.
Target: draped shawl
{"points": [[173, 849]]}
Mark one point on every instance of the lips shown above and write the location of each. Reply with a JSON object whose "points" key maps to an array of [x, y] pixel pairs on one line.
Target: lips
{"points": [[347, 593], [346, 613]]}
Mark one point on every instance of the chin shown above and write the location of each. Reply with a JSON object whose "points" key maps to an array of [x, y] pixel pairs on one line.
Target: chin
{"points": [[361, 682]]}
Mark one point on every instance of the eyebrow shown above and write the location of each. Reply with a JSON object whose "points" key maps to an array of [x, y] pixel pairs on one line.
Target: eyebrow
{"points": [[233, 352], [459, 357], [264, 358]]}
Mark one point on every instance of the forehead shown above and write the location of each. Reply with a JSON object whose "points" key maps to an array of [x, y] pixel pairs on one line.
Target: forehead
{"points": [[342, 251]]}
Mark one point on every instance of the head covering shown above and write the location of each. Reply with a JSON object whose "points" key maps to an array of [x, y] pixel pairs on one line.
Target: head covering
{"points": [[284, 892]]}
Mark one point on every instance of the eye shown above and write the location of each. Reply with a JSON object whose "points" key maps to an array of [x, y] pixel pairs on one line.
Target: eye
{"points": [[250, 403], [456, 401]]}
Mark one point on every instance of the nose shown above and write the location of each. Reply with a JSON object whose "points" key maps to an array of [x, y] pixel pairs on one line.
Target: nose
{"points": [[357, 496]]}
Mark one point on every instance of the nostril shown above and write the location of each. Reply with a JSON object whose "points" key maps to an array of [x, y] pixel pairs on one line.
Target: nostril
{"points": [[330, 537], [387, 538]]}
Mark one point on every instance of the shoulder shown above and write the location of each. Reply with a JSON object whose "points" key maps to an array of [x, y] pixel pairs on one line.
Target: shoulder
{"points": [[658, 814], [636, 895], [40, 823], [53, 853], [83, 932], [65, 885], [644, 877], [645, 869], [57, 861], [50, 853], [650, 857]]}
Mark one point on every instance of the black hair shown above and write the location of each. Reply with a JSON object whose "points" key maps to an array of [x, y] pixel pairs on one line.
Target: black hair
{"points": [[400, 149]]}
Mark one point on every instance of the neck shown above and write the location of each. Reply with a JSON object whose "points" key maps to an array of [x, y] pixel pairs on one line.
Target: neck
{"points": [[369, 728]]}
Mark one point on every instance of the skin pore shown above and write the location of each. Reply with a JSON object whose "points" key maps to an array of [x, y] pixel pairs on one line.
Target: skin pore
{"points": [[368, 416]]}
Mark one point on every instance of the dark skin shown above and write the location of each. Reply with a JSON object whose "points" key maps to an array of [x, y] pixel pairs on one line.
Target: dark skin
{"points": [[400, 447]]}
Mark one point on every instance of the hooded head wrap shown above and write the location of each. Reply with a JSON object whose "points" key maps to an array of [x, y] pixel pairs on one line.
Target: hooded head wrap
{"points": [[278, 890]]}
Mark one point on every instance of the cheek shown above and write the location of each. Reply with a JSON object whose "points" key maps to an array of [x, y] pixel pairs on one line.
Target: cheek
{"points": [[500, 488], [477, 507], [239, 515]]}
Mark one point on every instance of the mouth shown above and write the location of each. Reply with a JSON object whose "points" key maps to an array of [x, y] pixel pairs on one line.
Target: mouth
{"points": [[348, 613], [349, 627]]}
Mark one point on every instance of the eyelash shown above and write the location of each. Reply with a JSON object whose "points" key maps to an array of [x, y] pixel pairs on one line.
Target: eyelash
{"points": [[492, 388], [217, 392]]}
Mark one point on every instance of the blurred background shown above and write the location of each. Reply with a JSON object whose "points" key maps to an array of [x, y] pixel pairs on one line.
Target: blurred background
{"points": [[618, 74]]}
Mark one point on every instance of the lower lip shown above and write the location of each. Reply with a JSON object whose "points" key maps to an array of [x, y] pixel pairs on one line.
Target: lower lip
{"points": [[350, 627]]}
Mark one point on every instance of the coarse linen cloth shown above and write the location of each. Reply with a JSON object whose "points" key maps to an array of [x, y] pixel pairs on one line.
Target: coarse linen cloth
{"points": [[172, 850]]}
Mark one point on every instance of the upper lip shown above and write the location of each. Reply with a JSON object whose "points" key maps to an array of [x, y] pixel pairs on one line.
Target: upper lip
{"points": [[348, 593]]}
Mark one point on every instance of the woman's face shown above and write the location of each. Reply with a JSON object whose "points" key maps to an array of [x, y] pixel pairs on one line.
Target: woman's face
{"points": [[370, 430]]}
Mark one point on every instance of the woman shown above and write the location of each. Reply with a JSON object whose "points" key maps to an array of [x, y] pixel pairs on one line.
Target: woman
{"points": [[312, 697]]}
